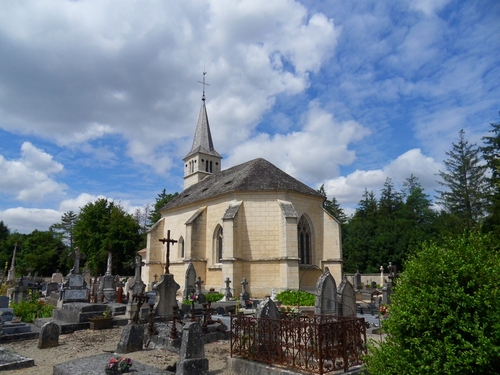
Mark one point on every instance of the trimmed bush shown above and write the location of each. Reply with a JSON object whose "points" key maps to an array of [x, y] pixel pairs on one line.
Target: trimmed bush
{"points": [[31, 310], [296, 298]]}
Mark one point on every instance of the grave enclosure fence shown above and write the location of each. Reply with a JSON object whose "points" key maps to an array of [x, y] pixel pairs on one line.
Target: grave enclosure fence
{"points": [[319, 344]]}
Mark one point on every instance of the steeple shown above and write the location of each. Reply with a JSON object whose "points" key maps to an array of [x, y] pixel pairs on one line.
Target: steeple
{"points": [[202, 160]]}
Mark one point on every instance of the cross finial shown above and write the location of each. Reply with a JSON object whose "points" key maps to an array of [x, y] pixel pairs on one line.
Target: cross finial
{"points": [[204, 84]]}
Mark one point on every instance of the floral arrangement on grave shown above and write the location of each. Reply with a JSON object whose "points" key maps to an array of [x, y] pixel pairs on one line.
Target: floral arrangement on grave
{"points": [[190, 300], [384, 310], [117, 366]]}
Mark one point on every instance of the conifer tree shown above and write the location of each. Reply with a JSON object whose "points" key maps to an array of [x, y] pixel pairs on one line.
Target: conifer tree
{"points": [[465, 182]]}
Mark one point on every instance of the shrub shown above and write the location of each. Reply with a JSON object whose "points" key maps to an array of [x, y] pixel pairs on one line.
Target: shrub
{"points": [[31, 310], [444, 313], [214, 297], [296, 298]]}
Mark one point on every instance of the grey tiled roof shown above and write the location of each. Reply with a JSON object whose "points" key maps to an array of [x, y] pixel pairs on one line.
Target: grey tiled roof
{"points": [[257, 175], [202, 141]]}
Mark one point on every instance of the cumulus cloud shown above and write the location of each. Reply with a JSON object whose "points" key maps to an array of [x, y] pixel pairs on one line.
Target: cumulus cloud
{"points": [[25, 220], [30, 178], [349, 189], [106, 68], [312, 153]]}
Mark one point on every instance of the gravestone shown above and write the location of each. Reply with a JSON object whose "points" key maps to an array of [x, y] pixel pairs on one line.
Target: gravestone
{"points": [[166, 291], [357, 281], [49, 336], [346, 298], [6, 313], [135, 287], [11, 276], [273, 295], [51, 287], [107, 284], [57, 277], [192, 359], [244, 295], [128, 285], [74, 289], [326, 295], [190, 280], [227, 290], [132, 339], [200, 297], [267, 309]]}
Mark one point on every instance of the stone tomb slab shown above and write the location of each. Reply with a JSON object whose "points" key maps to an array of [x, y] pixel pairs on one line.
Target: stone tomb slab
{"points": [[13, 361], [95, 365]]}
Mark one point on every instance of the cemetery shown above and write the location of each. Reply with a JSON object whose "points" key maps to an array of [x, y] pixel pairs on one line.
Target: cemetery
{"points": [[176, 319]]}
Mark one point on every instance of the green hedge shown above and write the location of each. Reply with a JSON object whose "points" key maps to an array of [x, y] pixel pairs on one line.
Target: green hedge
{"points": [[296, 298]]}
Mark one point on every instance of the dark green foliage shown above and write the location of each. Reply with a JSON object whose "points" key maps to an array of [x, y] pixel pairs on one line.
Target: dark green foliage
{"points": [[4, 231], [162, 199], [333, 207], [214, 297], [466, 184], [39, 252], [31, 310], [491, 154], [444, 313], [103, 226], [296, 298]]}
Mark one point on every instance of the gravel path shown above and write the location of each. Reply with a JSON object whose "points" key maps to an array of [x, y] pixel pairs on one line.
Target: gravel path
{"points": [[88, 342]]}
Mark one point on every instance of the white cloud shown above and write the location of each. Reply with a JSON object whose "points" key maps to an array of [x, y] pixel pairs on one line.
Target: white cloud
{"points": [[349, 189], [428, 7], [25, 220], [30, 177], [312, 153], [107, 68]]}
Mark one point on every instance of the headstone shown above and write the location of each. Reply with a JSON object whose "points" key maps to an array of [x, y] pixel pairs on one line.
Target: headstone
{"points": [[11, 276], [190, 280], [135, 286], [49, 336], [132, 339], [326, 295], [128, 285], [166, 291], [86, 275], [381, 276], [273, 295], [6, 313], [57, 277], [107, 284], [51, 287], [74, 289], [357, 281], [346, 298], [244, 296], [267, 309], [227, 291], [192, 359], [200, 297]]}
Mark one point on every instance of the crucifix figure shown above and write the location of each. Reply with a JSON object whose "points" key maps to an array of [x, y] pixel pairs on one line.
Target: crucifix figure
{"points": [[168, 241], [76, 262], [244, 284]]}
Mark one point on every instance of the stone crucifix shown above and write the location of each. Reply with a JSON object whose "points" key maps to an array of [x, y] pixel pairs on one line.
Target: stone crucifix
{"points": [[198, 283], [244, 284], [76, 262], [168, 241]]}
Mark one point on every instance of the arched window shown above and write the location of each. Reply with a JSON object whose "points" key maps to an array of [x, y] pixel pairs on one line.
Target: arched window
{"points": [[181, 247], [218, 244], [304, 234]]}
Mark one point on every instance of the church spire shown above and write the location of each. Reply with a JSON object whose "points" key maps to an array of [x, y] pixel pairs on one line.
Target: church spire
{"points": [[202, 160]]}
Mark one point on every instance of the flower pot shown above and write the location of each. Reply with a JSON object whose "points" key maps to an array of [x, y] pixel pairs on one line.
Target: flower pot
{"points": [[100, 323]]}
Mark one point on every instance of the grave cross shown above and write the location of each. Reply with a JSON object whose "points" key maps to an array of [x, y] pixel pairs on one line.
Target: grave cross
{"points": [[227, 281], [244, 284], [198, 284], [76, 263], [168, 241]]}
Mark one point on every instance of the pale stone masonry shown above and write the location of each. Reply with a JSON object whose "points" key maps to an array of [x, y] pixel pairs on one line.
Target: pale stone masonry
{"points": [[250, 221]]}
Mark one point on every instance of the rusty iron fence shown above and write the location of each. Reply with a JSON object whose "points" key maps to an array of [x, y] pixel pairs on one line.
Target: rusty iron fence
{"points": [[319, 344]]}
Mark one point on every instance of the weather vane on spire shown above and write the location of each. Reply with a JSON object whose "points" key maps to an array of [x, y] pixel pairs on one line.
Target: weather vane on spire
{"points": [[204, 84]]}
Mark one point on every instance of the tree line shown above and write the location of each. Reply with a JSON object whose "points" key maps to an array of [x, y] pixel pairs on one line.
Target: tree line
{"points": [[381, 230], [98, 228], [398, 223]]}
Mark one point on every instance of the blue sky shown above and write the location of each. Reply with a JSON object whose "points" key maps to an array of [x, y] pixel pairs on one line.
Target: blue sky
{"points": [[101, 99]]}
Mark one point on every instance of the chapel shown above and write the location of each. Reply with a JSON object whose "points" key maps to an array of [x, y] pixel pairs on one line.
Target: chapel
{"points": [[250, 221]]}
